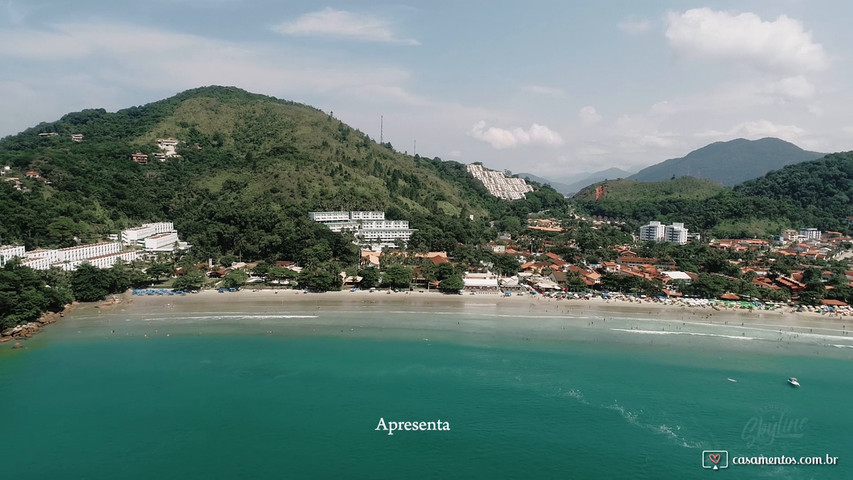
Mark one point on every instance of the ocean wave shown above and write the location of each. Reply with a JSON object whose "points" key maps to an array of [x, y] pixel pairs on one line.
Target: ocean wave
{"points": [[697, 334], [842, 346], [221, 317]]}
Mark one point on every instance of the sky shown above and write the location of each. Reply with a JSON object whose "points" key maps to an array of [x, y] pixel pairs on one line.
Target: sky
{"points": [[553, 88]]}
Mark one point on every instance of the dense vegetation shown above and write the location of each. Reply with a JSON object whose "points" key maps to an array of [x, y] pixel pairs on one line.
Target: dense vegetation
{"points": [[810, 194], [251, 169]]}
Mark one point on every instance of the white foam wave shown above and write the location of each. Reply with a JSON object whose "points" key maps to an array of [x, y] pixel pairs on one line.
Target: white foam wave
{"points": [[664, 332], [221, 317]]}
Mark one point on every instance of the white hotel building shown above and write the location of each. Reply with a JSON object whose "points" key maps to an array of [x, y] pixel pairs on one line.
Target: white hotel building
{"points": [[369, 227], [153, 237], [8, 252]]}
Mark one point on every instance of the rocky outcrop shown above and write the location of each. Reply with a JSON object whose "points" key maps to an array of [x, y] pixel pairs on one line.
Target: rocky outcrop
{"points": [[27, 330]]}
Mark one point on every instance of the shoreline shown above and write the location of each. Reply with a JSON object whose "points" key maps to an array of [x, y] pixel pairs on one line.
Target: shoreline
{"points": [[488, 314], [421, 315]]}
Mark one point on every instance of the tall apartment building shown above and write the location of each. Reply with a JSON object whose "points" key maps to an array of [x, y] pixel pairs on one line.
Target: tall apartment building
{"points": [[652, 232], [675, 233], [657, 232]]}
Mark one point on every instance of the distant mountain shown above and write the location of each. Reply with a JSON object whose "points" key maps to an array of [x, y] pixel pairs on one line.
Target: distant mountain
{"points": [[729, 163], [815, 193], [560, 187], [595, 177], [572, 184]]}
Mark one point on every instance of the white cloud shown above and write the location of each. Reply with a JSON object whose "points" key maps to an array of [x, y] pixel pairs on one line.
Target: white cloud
{"points": [[500, 138], [758, 129], [588, 116], [634, 26], [793, 87], [780, 45], [542, 90], [344, 24]]}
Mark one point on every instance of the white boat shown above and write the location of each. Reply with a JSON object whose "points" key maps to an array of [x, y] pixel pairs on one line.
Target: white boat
{"points": [[793, 381]]}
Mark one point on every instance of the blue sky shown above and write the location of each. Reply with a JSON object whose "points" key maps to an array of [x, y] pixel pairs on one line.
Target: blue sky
{"points": [[547, 87]]}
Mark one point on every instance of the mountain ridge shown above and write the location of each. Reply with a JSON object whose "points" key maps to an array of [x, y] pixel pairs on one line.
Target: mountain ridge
{"points": [[729, 162]]}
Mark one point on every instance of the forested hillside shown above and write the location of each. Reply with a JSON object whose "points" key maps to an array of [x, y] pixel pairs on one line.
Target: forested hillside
{"points": [[250, 170], [809, 194]]}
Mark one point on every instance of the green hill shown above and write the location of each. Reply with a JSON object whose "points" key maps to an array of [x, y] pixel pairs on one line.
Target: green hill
{"points": [[729, 163], [250, 170], [810, 194], [633, 191]]}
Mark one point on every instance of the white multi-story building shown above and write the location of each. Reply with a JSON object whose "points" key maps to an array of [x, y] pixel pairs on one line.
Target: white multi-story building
{"points": [[82, 252], [657, 232], [133, 236], [36, 263], [162, 241], [652, 232], [326, 217], [107, 261], [161, 227], [8, 252], [498, 184], [153, 236], [369, 227], [810, 234], [137, 236], [676, 233], [366, 215], [168, 146]]}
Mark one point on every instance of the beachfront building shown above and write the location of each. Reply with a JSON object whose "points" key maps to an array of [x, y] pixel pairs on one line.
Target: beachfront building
{"points": [[153, 237], [369, 227], [652, 232], [136, 236], [498, 184]]}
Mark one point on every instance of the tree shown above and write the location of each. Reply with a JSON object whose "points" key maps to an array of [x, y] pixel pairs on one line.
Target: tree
{"points": [[444, 270], [192, 280], [235, 279], [397, 276], [451, 284], [276, 274], [320, 279], [506, 265], [156, 271], [89, 283], [369, 277]]}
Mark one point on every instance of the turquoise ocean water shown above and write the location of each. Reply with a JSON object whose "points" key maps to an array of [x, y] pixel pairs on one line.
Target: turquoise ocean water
{"points": [[300, 396]]}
